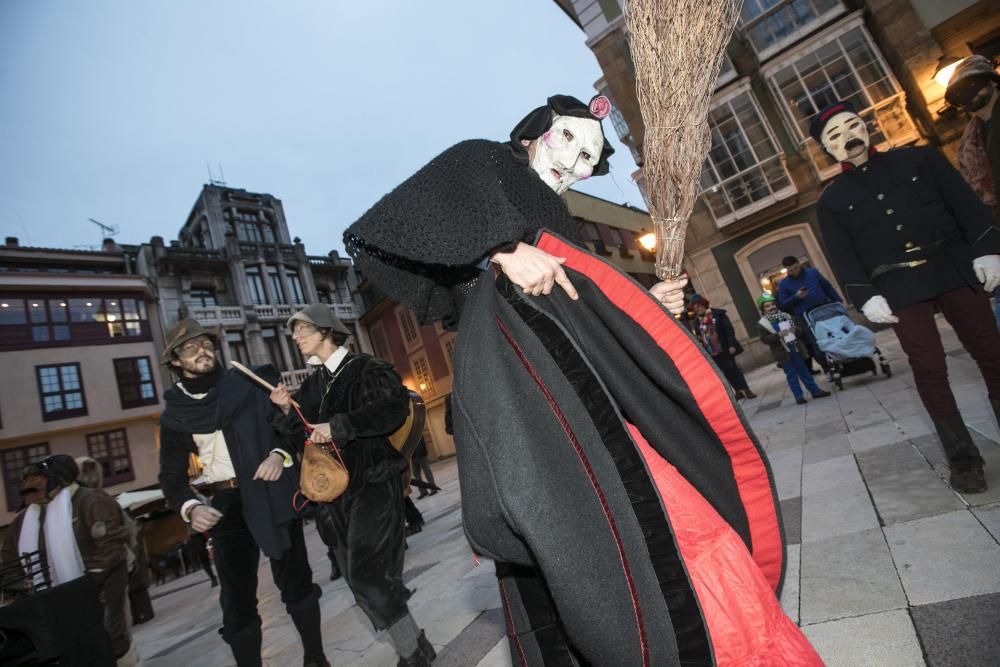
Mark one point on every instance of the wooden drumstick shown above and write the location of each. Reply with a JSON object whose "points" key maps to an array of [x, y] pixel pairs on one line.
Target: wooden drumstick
{"points": [[256, 378]]}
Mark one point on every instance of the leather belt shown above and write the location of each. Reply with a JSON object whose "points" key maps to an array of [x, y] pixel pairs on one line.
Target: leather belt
{"points": [[886, 268], [222, 486]]}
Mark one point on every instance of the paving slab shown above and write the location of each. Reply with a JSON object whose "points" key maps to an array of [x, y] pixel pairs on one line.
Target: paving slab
{"points": [[791, 519], [848, 575], [842, 510], [790, 589], [989, 516], [880, 434], [960, 633], [474, 642], [944, 557], [891, 459], [830, 474], [885, 639], [830, 447], [499, 655], [912, 495]]}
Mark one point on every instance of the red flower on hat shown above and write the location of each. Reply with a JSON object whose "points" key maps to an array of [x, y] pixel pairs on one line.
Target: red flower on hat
{"points": [[600, 107]]}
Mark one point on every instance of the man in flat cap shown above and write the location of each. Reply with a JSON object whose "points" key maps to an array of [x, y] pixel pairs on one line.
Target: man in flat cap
{"points": [[81, 532], [225, 420], [357, 401], [905, 235]]}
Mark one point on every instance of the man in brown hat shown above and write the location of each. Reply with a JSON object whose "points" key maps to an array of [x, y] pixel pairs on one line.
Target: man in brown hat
{"points": [[357, 401], [225, 420]]}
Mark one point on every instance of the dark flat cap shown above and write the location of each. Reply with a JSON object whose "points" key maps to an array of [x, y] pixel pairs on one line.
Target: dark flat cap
{"points": [[319, 315], [819, 120]]}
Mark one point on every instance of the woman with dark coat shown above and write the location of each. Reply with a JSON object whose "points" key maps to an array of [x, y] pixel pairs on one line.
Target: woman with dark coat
{"points": [[713, 328], [356, 402]]}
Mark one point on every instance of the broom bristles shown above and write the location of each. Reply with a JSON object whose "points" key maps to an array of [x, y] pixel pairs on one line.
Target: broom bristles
{"points": [[677, 53]]}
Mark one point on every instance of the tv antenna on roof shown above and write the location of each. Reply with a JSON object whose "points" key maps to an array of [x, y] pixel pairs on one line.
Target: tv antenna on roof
{"points": [[212, 180], [107, 231]]}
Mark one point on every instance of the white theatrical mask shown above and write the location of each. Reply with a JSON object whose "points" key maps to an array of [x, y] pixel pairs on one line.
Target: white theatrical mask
{"points": [[846, 136], [568, 152]]}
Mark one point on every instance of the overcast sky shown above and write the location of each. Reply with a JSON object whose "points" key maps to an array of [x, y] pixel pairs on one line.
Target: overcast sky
{"points": [[111, 109]]}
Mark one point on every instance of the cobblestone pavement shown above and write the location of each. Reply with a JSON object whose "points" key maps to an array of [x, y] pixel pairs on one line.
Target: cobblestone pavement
{"points": [[887, 565]]}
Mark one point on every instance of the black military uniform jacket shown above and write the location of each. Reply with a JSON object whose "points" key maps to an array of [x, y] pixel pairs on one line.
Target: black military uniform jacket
{"points": [[906, 226]]}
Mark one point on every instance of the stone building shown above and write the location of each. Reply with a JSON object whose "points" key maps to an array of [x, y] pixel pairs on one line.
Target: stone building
{"points": [[79, 347], [235, 265], [423, 355], [787, 59]]}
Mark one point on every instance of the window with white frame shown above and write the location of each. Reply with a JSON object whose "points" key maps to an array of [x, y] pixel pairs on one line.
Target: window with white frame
{"points": [[422, 374], [727, 72], [842, 64], [408, 326], [744, 171], [770, 25]]}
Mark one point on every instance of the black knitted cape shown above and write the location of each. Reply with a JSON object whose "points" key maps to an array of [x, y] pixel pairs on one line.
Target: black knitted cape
{"points": [[429, 234]]}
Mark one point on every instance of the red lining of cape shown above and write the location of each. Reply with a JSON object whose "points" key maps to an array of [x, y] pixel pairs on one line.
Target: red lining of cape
{"points": [[571, 436], [708, 391]]}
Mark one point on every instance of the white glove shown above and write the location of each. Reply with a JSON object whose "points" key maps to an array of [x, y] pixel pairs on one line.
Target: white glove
{"points": [[987, 269], [877, 309]]}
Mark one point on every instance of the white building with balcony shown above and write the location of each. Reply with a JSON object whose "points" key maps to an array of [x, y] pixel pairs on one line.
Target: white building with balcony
{"points": [[235, 266]]}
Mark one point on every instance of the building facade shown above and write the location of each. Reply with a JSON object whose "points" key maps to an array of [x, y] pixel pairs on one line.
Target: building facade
{"points": [[235, 266], [788, 59], [78, 345], [423, 355]]}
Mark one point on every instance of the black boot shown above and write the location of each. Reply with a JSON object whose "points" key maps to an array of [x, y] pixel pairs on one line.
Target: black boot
{"points": [[963, 455], [305, 616], [245, 646]]}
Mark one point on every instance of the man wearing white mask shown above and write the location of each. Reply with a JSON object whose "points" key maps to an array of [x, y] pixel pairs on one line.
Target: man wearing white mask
{"points": [[906, 234], [597, 443]]}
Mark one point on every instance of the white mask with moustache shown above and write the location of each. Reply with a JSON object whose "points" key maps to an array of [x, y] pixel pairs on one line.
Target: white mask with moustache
{"points": [[568, 152], [845, 136]]}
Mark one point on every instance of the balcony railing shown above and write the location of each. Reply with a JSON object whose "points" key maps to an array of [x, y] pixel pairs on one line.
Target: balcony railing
{"points": [[293, 379], [216, 315], [236, 315]]}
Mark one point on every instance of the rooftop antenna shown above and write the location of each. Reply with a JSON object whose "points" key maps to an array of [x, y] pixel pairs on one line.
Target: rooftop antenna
{"points": [[212, 180], [107, 231]]}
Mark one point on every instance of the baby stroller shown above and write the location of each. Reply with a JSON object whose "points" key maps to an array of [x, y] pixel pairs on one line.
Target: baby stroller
{"points": [[849, 347]]}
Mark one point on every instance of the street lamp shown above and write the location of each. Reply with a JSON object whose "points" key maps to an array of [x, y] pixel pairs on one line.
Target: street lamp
{"points": [[945, 68], [648, 241]]}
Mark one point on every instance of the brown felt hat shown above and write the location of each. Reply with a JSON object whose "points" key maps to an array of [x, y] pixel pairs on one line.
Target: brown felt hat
{"points": [[182, 332]]}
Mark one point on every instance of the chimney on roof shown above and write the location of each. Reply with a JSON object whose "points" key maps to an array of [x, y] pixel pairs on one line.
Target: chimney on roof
{"points": [[110, 246], [11, 242]]}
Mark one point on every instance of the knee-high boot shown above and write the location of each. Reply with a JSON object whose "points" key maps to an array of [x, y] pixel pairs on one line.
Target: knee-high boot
{"points": [[245, 646], [963, 455], [306, 617]]}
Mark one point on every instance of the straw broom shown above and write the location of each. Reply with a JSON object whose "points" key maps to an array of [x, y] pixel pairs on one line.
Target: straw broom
{"points": [[677, 48]]}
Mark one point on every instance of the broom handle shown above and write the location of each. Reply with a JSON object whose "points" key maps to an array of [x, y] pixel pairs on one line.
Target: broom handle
{"points": [[258, 379]]}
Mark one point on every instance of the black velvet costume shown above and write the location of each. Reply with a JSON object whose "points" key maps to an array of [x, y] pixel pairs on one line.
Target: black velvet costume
{"points": [[551, 400], [364, 401]]}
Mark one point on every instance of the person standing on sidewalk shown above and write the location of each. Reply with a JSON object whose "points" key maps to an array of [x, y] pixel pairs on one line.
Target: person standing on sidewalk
{"points": [[713, 328], [225, 420], [974, 88], [801, 290], [905, 235], [779, 331], [422, 469], [357, 401]]}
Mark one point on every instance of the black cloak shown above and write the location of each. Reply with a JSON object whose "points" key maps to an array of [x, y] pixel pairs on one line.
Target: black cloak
{"points": [[244, 413]]}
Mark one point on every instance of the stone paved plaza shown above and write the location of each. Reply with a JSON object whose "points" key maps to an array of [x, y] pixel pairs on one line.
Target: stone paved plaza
{"points": [[887, 565]]}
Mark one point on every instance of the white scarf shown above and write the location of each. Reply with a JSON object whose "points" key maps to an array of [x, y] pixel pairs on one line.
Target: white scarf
{"points": [[65, 562]]}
